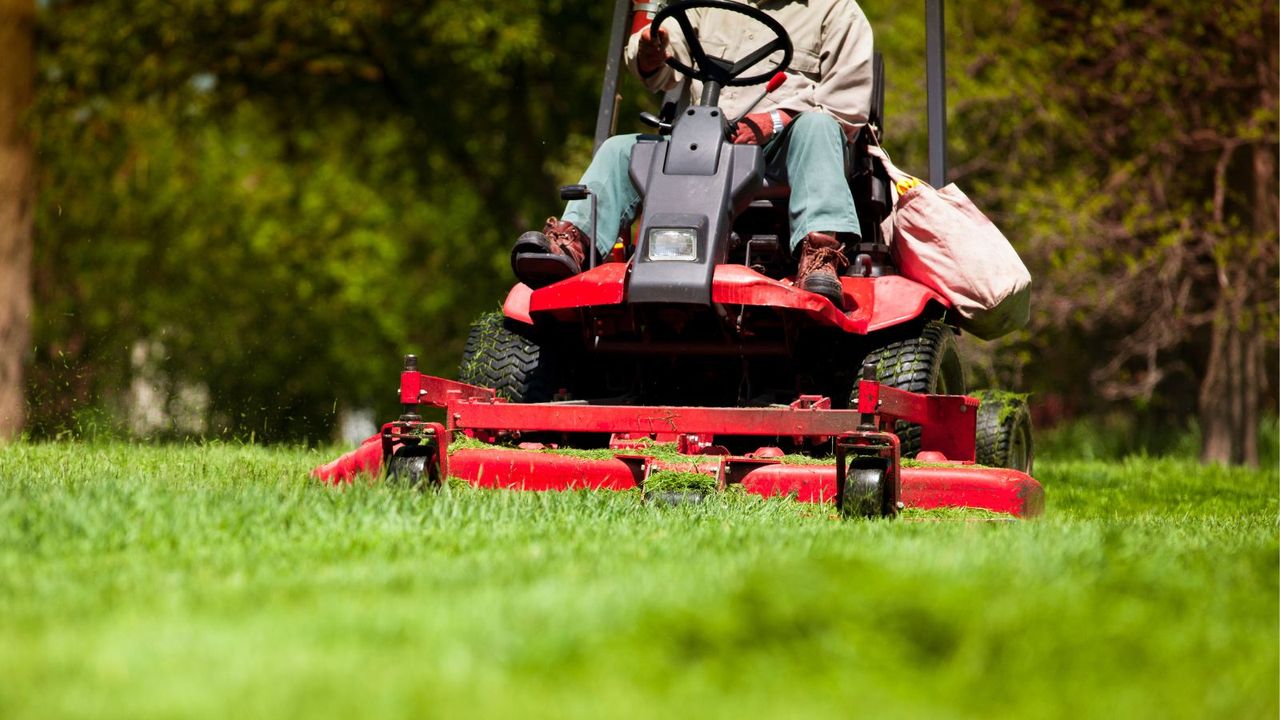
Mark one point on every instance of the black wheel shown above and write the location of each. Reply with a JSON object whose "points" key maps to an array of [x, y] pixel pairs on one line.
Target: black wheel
{"points": [[507, 357], [864, 492], [415, 471], [1004, 431], [673, 498], [926, 363]]}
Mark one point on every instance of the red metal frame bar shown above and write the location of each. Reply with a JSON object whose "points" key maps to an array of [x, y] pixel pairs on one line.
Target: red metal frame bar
{"points": [[419, 389], [948, 428], [948, 423], [773, 422]]}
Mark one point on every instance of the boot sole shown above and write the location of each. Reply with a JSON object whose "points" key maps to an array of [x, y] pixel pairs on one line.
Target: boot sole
{"points": [[538, 270], [828, 286]]}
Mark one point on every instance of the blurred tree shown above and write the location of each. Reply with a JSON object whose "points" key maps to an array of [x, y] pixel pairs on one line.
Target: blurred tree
{"points": [[1129, 148], [276, 199], [17, 205], [284, 197]]}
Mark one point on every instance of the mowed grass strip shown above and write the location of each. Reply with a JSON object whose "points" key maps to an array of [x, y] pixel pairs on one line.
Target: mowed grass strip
{"points": [[216, 581]]}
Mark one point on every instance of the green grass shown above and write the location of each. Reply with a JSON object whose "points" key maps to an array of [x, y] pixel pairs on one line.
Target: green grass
{"points": [[216, 581]]}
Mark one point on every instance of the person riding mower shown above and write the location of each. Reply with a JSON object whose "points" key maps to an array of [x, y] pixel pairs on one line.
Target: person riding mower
{"points": [[804, 127]]}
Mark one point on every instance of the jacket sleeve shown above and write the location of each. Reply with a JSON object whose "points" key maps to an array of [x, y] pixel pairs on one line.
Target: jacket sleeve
{"points": [[844, 90]]}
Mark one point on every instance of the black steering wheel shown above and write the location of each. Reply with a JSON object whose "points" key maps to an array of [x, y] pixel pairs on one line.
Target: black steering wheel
{"points": [[716, 69]]}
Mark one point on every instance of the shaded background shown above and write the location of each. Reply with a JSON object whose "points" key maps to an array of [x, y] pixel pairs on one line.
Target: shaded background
{"points": [[233, 217]]}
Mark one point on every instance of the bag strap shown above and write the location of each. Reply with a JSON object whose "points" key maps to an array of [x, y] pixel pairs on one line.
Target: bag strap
{"points": [[902, 181]]}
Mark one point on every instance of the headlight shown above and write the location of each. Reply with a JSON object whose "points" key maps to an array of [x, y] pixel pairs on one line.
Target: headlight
{"points": [[673, 244]]}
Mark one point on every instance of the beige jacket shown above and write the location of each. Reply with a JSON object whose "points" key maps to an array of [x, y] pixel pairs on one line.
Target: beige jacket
{"points": [[830, 69]]}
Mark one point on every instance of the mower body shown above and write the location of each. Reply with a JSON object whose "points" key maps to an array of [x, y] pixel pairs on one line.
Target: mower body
{"points": [[693, 336]]}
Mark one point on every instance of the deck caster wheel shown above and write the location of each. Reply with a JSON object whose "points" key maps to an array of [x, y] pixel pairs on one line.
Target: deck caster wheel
{"points": [[1004, 431], [672, 498], [417, 471], [864, 492]]}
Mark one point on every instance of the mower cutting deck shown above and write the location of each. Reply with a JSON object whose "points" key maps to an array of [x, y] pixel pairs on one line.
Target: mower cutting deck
{"points": [[864, 478]]}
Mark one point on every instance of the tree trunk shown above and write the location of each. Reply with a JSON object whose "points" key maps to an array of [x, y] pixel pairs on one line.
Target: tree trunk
{"points": [[1233, 382], [1228, 393], [17, 205]]}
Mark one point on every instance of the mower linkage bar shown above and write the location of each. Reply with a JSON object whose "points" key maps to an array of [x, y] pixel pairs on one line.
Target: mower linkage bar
{"points": [[948, 422], [774, 422]]}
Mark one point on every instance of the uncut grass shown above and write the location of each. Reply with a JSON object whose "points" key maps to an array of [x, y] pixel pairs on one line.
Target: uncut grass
{"points": [[204, 580]]}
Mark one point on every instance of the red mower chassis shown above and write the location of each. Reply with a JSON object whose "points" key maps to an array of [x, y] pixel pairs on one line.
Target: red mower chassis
{"points": [[945, 477], [874, 303]]}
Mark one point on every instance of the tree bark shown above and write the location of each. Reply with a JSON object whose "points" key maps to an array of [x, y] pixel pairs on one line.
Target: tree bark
{"points": [[17, 206], [1230, 392], [1224, 418]]}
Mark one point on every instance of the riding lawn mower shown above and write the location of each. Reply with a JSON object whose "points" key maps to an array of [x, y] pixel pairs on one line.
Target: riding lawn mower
{"points": [[691, 349]]}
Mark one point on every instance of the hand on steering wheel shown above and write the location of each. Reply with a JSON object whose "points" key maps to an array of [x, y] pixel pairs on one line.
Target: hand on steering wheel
{"points": [[653, 53], [718, 70]]}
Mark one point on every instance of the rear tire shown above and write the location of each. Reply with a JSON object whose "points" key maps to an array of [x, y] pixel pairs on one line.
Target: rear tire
{"points": [[1004, 431], [507, 356], [926, 363]]}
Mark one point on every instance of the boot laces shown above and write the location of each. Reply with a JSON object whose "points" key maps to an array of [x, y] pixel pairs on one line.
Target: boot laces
{"points": [[816, 258], [562, 240]]}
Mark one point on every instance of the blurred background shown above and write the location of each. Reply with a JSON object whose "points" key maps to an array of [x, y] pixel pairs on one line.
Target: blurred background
{"points": [[230, 218]]}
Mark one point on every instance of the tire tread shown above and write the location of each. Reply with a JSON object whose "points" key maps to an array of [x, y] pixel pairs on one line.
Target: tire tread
{"points": [[913, 364], [503, 355]]}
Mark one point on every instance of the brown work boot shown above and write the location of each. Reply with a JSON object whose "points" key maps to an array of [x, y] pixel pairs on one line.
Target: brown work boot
{"points": [[821, 258], [542, 258]]}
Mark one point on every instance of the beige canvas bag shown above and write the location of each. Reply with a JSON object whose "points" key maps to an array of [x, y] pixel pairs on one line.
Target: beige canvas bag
{"points": [[942, 240]]}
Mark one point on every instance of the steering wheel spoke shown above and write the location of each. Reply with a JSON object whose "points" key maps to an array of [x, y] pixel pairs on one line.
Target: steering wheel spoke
{"points": [[750, 61], [698, 55], [718, 70]]}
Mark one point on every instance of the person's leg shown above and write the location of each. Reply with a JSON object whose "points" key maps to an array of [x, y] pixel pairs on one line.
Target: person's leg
{"points": [[609, 177], [813, 150], [811, 156], [562, 250]]}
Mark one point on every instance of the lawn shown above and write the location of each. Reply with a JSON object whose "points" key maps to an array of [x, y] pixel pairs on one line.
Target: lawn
{"points": [[218, 581]]}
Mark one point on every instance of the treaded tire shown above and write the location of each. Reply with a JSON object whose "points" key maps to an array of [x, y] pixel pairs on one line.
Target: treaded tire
{"points": [[863, 494], [1004, 431], [926, 363], [506, 356]]}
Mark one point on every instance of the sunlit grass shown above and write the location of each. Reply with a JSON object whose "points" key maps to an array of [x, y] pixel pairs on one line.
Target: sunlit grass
{"points": [[215, 581]]}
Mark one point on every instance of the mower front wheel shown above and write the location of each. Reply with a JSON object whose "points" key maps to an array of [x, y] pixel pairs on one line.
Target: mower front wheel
{"points": [[864, 494], [413, 471], [508, 357], [1004, 431], [928, 362]]}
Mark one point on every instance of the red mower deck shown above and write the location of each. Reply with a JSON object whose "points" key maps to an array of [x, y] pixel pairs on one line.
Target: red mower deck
{"points": [[945, 477]]}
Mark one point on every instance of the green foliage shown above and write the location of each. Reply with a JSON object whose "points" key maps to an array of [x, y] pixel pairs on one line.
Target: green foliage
{"points": [[276, 200], [1119, 436], [207, 580], [281, 201], [1114, 144]]}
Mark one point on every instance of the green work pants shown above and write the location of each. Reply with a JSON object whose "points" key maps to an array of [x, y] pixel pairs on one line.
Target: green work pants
{"points": [[809, 155]]}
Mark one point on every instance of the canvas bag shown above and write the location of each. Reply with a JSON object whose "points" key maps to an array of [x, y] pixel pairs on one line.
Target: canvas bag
{"points": [[942, 240]]}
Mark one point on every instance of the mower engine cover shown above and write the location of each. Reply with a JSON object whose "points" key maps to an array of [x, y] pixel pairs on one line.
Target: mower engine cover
{"points": [[693, 184]]}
